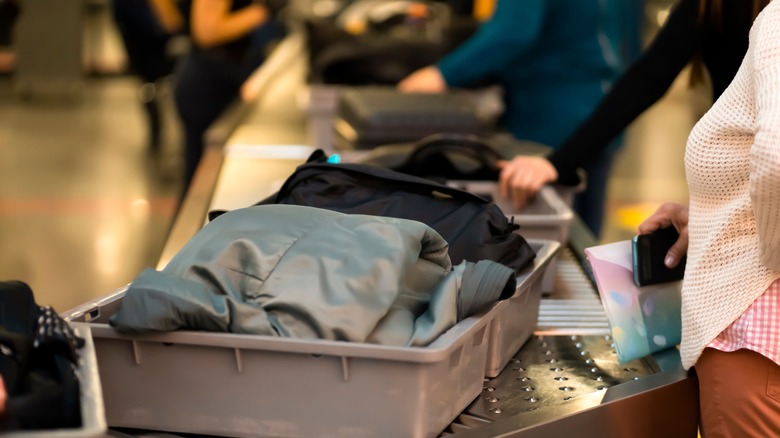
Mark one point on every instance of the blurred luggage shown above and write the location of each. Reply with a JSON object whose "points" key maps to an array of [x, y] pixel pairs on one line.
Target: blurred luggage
{"points": [[376, 42], [371, 116]]}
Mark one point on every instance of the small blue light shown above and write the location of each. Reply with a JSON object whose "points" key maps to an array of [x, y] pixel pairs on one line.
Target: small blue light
{"points": [[334, 159]]}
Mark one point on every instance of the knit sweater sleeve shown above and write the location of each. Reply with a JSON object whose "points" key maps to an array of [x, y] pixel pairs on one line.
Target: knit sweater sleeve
{"points": [[514, 28], [765, 152], [643, 84]]}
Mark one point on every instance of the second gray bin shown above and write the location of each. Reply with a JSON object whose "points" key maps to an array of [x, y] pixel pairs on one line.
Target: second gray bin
{"points": [[242, 385], [515, 318]]}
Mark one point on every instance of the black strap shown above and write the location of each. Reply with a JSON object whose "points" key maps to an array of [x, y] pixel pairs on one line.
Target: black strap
{"points": [[433, 157]]}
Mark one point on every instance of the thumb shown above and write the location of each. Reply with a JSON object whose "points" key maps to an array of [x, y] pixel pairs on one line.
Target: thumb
{"points": [[676, 253]]}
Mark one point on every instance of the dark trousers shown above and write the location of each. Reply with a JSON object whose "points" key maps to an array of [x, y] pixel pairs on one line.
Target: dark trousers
{"points": [[9, 11], [145, 43], [204, 86], [144, 39], [590, 204]]}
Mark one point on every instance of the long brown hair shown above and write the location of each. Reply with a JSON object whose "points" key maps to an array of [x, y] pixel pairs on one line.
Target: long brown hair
{"points": [[711, 11]]}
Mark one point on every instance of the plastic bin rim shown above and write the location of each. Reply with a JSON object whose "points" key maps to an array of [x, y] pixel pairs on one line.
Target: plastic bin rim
{"points": [[547, 249], [438, 350]]}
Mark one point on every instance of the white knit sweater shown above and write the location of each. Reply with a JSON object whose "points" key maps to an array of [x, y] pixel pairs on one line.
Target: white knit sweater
{"points": [[732, 164]]}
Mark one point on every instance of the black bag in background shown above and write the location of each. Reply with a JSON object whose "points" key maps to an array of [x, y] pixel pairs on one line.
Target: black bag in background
{"points": [[474, 227], [391, 46], [373, 60]]}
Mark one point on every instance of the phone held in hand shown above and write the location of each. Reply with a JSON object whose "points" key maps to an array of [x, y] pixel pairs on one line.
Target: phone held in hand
{"points": [[649, 252]]}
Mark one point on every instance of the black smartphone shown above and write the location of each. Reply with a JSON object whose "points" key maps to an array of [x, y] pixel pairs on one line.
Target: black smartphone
{"points": [[649, 252]]}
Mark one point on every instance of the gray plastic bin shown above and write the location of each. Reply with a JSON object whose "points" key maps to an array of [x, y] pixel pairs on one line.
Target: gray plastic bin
{"points": [[243, 385], [515, 318], [93, 416], [319, 102]]}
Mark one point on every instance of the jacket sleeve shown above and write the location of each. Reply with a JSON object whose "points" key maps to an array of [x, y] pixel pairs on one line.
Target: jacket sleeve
{"points": [[765, 152], [515, 26], [643, 84]]}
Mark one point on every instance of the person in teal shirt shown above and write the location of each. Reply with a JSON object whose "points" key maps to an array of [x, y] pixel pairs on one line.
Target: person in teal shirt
{"points": [[554, 59]]}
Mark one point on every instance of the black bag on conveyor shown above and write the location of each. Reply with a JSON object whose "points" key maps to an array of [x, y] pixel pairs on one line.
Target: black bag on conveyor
{"points": [[371, 116], [474, 227]]}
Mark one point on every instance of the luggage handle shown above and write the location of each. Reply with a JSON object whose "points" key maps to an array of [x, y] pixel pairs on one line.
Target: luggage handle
{"points": [[468, 145], [92, 314]]}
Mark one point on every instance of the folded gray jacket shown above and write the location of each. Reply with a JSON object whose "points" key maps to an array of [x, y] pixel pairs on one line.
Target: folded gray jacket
{"points": [[305, 272]]}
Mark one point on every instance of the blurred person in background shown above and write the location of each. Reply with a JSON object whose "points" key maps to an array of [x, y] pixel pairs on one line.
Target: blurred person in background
{"points": [[554, 59], [711, 33], [145, 35], [229, 41], [9, 11]]}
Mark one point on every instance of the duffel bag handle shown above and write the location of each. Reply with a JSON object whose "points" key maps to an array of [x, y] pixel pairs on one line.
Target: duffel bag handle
{"points": [[468, 145]]}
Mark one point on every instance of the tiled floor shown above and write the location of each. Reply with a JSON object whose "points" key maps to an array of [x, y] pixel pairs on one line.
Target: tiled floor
{"points": [[84, 207]]}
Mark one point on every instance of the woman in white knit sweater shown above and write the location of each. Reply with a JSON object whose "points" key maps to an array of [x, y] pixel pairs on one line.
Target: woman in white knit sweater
{"points": [[731, 291]]}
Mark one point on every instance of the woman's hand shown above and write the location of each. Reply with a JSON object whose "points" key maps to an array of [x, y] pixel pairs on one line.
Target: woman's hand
{"points": [[425, 80], [666, 215], [522, 177]]}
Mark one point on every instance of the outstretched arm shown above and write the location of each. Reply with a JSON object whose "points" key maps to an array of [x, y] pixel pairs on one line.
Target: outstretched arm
{"points": [[213, 23], [643, 84], [639, 88], [513, 29], [168, 15]]}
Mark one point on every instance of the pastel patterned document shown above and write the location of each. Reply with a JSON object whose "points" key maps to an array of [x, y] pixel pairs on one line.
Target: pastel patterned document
{"points": [[643, 320]]}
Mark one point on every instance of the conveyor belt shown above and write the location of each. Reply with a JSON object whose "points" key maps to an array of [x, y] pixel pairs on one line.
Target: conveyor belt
{"points": [[574, 306], [549, 371], [571, 355]]}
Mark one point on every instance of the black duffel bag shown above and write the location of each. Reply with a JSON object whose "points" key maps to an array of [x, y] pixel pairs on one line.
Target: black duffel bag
{"points": [[474, 227]]}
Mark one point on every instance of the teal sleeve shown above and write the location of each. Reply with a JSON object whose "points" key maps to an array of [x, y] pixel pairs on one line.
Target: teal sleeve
{"points": [[514, 28]]}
